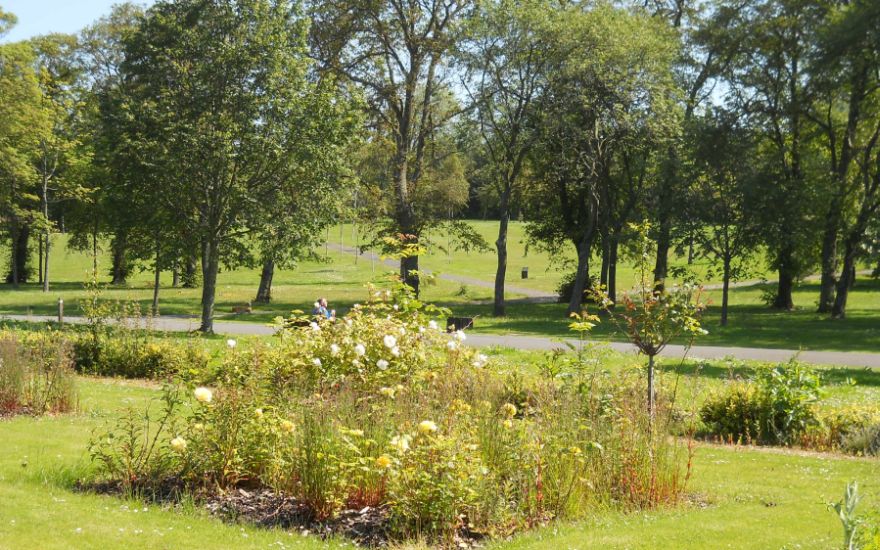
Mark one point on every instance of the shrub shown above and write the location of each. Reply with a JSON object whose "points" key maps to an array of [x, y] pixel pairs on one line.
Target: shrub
{"points": [[138, 356], [854, 429], [383, 409], [36, 377], [775, 407]]}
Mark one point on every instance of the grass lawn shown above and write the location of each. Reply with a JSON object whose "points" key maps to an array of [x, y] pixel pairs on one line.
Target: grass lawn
{"points": [[743, 497], [341, 277], [751, 323]]}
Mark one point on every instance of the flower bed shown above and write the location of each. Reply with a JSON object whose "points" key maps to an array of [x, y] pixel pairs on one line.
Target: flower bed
{"points": [[382, 412], [35, 377]]}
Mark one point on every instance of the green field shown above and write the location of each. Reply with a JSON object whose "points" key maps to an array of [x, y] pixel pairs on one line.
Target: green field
{"points": [[342, 277], [739, 497]]}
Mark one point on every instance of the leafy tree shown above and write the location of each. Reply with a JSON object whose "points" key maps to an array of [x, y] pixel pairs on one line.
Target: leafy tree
{"points": [[22, 123], [398, 53], [506, 56], [771, 87], [611, 85], [216, 109], [61, 156], [721, 199]]}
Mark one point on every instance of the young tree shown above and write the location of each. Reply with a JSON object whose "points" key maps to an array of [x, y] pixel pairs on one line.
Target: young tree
{"points": [[216, 96], [506, 56], [721, 199]]}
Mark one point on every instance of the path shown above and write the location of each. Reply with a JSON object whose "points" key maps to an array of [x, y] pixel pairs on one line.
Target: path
{"points": [[532, 295], [841, 358]]}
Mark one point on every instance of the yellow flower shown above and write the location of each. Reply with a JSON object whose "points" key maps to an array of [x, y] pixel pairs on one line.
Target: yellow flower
{"points": [[384, 462], [203, 395], [198, 426], [258, 413], [508, 423], [509, 410], [427, 427], [287, 426], [356, 433], [178, 444]]}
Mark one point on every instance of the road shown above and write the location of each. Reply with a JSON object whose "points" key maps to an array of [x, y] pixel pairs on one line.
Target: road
{"points": [[515, 341]]}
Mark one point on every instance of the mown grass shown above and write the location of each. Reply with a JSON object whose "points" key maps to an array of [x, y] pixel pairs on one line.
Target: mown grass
{"points": [[341, 277], [742, 497]]}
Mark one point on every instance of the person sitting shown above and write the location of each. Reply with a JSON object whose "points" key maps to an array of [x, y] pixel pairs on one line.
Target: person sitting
{"points": [[322, 311]]}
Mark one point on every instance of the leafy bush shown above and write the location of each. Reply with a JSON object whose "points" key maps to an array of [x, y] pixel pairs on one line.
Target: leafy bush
{"points": [[775, 407], [382, 408], [36, 376], [132, 356], [854, 429]]}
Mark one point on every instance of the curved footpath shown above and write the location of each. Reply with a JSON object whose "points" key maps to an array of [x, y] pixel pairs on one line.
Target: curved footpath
{"points": [[515, 341]]}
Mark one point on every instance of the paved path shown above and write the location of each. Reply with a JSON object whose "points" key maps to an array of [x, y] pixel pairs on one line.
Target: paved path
{"points": [[842, 358], [532, 295]]}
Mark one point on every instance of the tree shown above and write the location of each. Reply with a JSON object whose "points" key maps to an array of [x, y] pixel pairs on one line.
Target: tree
{"points": [[61, 157], [721, 199], [106, 212], [22, 123], [398, 52], [770, 85], [216, 96], [506, 56], [844, 73], [611, 85]]}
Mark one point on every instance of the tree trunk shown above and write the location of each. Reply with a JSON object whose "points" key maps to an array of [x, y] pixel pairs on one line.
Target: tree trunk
{"points": [[651, 386], [210, 267], [158, 273], [190, 278], [583, 273], [14, 267], [46, 264], [725, 292], [95, 252], [829, 263], [612, 269], [785, 287], [501, 247], [119, 270], [409, 267], [844, 285], [175, 274], [40, 261], [606, 262], [264, 292]]}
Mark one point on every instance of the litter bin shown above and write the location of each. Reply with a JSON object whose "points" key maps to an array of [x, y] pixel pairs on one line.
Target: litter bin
{"points": [[525, 273]]}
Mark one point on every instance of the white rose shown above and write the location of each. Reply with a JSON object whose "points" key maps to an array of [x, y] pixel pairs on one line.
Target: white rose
{"points": [[360, 350], [390, 341], [382, 364]]}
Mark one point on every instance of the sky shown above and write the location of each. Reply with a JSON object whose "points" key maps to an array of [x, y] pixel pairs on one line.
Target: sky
{"points": [[36, 17]]}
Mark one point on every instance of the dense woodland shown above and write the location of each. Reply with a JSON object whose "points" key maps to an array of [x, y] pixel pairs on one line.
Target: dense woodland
{"points": [[200, 134]]}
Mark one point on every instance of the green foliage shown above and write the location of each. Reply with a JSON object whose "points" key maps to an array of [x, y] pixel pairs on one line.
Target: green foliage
{"points": [[775, 407]]}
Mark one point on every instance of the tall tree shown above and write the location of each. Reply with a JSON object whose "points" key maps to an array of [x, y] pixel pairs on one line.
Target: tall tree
{"points": [[770, 85], [611, 84], [216, 95], [506, 56], [22, 125], [398, 52]]}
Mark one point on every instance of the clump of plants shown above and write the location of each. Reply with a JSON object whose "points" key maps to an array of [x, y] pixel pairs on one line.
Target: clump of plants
{"points": [[775, 407], [383, 411], [35, 377]]}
